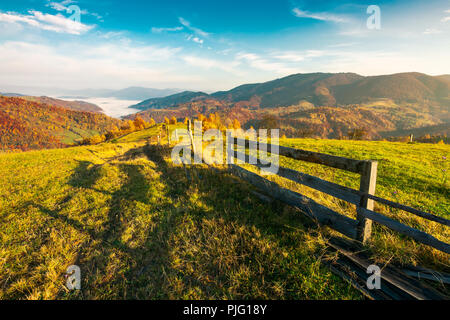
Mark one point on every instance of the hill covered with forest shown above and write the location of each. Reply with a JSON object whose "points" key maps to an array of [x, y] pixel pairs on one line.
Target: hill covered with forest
{"points": [[322, 89], [326, 105], [72, 105], [27, 124]]}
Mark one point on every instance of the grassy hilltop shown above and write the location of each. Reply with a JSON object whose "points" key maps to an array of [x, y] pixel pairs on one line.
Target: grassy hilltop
{"points": [[140, 227]]}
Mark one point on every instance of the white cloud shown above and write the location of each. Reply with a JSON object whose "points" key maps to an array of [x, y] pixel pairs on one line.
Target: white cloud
{"points": [[207, 63], [82, 65], [57, 6], [445, 19], [63, 6], [293, 56], [263, 64], [112, 34], [344, 44], [57, 23], [323, 16], [290, 56], [383, 62], [188, 25], [432, 31], [161, 30], [195, 39], [14, 18]]}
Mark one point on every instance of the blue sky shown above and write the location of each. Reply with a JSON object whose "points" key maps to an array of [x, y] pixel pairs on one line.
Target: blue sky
{"points": [[214, 45]]}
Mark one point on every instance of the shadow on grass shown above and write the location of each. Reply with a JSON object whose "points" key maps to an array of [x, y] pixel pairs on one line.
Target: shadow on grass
{"points": [[211, 238]]}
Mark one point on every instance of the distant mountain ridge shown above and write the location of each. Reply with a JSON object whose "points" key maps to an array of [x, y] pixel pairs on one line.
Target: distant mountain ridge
{"points": [[321, 89], [171, 101], [325, 105], [138, 93], [9, 94], [130, 93]]}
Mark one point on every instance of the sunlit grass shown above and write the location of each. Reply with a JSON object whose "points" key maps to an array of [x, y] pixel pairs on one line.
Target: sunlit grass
{"points": [[141, 228]]}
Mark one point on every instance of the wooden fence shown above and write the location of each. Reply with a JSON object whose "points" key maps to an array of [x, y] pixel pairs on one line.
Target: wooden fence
{"points": [[359, 228]]}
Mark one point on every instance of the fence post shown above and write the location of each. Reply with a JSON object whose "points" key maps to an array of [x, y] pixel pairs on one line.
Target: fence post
{"points": [[168, 135], [189, 129], [367, 185], [230, 141]]}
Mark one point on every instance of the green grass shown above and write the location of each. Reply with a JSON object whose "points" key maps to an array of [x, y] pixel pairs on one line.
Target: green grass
{"points": [[142, 228], [413, 174]]}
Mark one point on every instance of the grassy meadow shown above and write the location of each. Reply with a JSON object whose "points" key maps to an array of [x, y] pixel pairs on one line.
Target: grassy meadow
{"points": [[414, 174], [140, 227]]}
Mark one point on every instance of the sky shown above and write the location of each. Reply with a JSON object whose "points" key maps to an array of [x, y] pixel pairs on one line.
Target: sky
{"points": [[214, 45]]}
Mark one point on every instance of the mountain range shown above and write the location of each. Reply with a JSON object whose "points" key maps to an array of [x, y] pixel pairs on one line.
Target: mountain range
{"points": [[321, 89], [327, 104], [131, 93]]}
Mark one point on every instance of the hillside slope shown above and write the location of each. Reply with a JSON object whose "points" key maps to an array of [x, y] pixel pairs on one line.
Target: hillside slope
{"points": [[27, 125], [409, 87], [170, 101], [322, 89], [141, 228], [71, 105], [325, 105]]}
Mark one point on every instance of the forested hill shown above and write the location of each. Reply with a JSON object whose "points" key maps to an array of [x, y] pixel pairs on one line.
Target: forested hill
{"points": [[322, 89], [27, 125], [72, 105]]}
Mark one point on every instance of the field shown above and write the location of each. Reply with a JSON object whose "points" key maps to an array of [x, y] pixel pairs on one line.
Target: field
{"points": [[140, 227], [414, 174]]}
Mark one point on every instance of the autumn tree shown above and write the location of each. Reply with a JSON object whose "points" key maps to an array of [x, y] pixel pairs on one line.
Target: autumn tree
{"points": [[139, 123], [357, 133], [201, 117], [269, 122]]}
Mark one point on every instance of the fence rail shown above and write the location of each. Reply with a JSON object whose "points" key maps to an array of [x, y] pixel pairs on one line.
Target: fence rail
{"points": [[359, 228]]}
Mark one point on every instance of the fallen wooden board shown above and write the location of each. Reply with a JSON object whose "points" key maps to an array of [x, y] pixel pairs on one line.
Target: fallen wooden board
{"points": [[395, 277], [434, 276]]}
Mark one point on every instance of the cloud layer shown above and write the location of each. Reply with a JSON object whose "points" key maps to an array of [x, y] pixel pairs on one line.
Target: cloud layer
{"points": [[44, 21]]}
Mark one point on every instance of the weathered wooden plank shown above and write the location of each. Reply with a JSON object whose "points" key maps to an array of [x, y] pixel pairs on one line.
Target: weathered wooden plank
{"points": [[340, 191], [428, 276], [315, 157], [327, 187], [321, 158], [367, 186], [417, 235], [318, 212], [355, 279], [414, 211], [390, 274]]}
